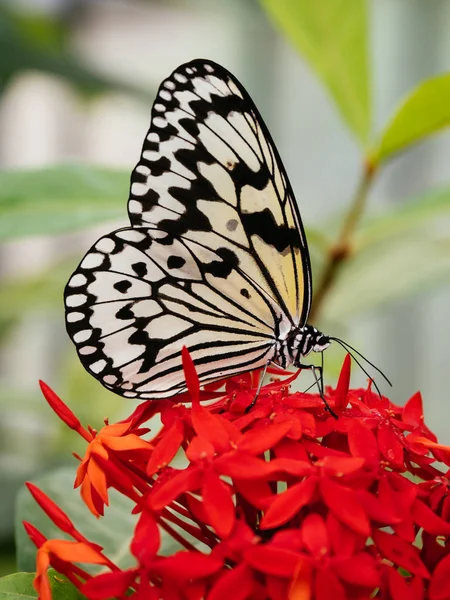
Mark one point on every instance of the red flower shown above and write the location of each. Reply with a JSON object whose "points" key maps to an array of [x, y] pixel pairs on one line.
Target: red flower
{"points": [[284, 501]]}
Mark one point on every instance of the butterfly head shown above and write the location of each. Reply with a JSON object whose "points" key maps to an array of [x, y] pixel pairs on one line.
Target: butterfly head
{"points": [[319, 340], [299, 342]]}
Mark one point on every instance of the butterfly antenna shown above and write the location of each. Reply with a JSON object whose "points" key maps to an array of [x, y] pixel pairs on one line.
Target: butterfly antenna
{"points": [[352, 351]]}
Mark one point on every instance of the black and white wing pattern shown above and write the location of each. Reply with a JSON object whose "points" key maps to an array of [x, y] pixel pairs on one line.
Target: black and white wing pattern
{"points": [[209, 170], [215, 258], [140, 294]]}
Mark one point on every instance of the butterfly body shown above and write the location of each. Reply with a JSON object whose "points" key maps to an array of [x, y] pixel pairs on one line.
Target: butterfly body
{"points": [[215, 259], [299, 342]]}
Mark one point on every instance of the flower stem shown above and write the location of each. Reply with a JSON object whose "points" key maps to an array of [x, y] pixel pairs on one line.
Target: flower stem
{"points": [[341, 249], [177, 536]]}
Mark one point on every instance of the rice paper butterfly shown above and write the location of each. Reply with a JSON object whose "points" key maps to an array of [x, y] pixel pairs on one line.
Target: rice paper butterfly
{"points": [[215, 258]]}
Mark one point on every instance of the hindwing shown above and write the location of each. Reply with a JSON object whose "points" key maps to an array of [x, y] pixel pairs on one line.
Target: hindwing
{"points": [[141, 294]]}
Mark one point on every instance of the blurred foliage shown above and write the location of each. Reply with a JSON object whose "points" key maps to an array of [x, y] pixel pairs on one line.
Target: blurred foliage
{"points": [[380, 248], [426, 110], [37, 41], [333, 38], [383, 250], [59, 199], [113, 532], [19, 586]]}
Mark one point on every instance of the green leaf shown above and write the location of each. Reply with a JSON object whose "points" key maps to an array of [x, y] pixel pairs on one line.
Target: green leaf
{"points": [[59, 199], [62, 588], [332, 36], [19, 586], [113, 531], [426, 110]]}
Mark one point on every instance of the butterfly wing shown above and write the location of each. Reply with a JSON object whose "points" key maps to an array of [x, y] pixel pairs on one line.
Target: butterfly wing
{"points": [[140, 294], [210, 172], [216, 258]]}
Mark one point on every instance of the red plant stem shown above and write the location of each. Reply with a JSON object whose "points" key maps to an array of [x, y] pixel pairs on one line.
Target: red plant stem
{"points": [[191, 529], [142, 480], [176, 536], [176, 507], [184, 512]]}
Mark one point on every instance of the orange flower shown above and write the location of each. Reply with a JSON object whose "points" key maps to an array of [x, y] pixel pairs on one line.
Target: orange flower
{"points": [[101, 467]]}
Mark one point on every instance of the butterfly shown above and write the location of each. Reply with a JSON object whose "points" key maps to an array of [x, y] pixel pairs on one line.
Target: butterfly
{"points": [[215, 259]]}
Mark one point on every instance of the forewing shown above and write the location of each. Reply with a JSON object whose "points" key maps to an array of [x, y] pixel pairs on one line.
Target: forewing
{"points": [[209, 171], [141, 294]]}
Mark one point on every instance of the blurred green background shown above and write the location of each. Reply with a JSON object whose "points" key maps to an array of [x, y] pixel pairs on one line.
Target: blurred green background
{"points": [[352, 93]]}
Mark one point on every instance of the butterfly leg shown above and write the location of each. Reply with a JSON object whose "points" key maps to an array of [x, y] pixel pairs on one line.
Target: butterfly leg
{"points": [[319, 382], [258, 389]]}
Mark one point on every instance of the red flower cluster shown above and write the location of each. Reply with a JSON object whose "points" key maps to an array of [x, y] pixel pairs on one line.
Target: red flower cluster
{"points": [[285, 502]]}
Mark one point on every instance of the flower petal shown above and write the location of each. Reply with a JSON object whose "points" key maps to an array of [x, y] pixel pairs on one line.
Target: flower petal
{"points": [[400, 553], [343, 502], [287, 448], [288, 503], [81, 552], [258, 440], [59, 518], [405, 529], [343, 540], [362, 441], [246, 466], [41, 582], [338, 466], [428, 520], [341, 392], [390, 445], [360, 569], [190, 373], [236, 583], [315, 535], [187, 565], [218, 504], [328, 586], [166, 448], [181, 482], [63, 411], [273, 561], [108, 585], [400, 589], [301, 584], [376, 510], [34, 534], [199, 449], [146, 539], [210, 427], [413, 411], [256, 491], [440, 582]]}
